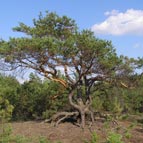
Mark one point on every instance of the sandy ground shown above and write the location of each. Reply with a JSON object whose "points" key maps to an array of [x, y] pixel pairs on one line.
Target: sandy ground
{"points": [[69, 133]]}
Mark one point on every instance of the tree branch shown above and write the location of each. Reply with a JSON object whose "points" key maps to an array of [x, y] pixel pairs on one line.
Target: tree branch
{"points": [[71, 101]]}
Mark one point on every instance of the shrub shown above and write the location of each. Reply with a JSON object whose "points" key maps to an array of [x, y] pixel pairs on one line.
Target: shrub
{"points": [[114, 138]]}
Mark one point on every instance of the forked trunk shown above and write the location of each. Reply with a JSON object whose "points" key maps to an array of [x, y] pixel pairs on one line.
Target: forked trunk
{"points": [[82, 108]]}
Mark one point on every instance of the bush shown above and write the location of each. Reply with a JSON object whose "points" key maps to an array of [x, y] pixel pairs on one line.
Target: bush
{"points": [[114, 138], [5, 110]]}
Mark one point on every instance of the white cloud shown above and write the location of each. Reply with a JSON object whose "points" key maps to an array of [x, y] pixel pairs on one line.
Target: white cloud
{"points": [[113, 12], [118, 23], [137, 45]]}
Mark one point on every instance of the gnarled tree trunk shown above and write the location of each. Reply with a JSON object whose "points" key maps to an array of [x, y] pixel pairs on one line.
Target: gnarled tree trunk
{"points": [[83, 109]]}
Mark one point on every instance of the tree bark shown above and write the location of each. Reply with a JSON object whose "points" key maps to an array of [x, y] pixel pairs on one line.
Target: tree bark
{"points": [[82, 119], [82, 108]]}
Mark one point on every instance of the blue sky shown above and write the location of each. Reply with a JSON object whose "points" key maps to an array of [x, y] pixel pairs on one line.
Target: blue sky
{"points": [[120, 21]]}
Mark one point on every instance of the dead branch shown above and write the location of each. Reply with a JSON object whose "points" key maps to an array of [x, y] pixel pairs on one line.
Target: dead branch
{"points": [[61, 116]]}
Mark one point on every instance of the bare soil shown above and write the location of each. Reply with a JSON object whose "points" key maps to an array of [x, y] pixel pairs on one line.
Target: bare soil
{"points": [[69, 133]]}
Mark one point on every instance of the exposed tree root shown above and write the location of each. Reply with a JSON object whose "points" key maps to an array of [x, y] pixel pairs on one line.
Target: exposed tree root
{"points": [[107, 117], [82, 109], [61, 116]]}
